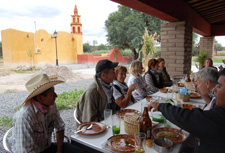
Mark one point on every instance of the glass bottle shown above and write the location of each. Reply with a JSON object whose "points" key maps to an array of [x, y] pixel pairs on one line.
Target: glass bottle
{"points": [[146, 124]]}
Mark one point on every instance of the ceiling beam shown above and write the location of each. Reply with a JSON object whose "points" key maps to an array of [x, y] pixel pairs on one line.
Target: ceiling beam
{"points": [[170, 10]]}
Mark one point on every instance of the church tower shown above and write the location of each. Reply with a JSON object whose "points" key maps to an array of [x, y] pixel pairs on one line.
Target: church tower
{"points": [[76, 31], [76, 26]]}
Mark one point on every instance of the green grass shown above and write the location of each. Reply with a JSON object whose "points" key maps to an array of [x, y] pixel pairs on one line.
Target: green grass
{"points": [[217, 61], [5, 122], [10, 91], [68, 100], [99, 52]]}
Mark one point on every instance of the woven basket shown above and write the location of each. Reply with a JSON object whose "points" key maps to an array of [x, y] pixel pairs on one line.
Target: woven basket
{"points": [[131, 123]]}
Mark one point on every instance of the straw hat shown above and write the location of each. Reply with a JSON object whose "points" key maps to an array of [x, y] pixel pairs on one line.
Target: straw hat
{"points": [[40, 83]]}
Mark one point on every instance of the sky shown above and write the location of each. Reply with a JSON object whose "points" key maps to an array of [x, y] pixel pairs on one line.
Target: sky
{"points": [[54, 15]]}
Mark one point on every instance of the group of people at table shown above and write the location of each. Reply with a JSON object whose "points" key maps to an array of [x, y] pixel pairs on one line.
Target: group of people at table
{"points": [[33, 124]]}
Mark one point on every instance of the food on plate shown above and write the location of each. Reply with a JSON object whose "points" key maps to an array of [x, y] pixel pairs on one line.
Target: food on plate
{"points": [[170, 90], [188, 106], [180, 84], [149, 142], [163, 90], [195, 95]]}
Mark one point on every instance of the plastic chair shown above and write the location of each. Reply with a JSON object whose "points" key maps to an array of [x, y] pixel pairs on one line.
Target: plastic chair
{"points": [[5, 141], [7, 145], [74, 115]]}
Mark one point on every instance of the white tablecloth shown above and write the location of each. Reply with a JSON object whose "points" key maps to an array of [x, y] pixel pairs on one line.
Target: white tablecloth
{"points": [[97, 141]]}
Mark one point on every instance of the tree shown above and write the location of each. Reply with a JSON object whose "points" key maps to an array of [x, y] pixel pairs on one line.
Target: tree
{"points": [[195, 44], [102, 47], [0, 49], [218, 46], [126, 27], [86, 47]]}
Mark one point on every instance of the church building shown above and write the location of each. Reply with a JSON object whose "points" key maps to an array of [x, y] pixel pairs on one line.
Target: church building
{"points": [[41, 47]]}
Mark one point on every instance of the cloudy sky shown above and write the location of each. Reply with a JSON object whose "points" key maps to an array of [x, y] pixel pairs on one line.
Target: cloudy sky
{"points": [[54, 15]]}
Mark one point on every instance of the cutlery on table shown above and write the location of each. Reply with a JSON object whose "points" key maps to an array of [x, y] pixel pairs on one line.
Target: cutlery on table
{"points": [[87, 128], [128, 144]]}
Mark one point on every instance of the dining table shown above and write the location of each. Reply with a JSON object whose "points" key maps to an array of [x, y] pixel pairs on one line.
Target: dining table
{"points": [[97, 143]]}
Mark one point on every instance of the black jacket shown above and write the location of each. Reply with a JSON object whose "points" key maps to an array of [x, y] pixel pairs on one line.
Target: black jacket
{"points": [[208, 126]]}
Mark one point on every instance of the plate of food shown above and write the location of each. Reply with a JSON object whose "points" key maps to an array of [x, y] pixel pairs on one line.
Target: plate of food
{"points": [[95, 129], [121, 113], [180, 84], [163, 90], [122, 143], [195, 95], [188, 106], [170, 133]]}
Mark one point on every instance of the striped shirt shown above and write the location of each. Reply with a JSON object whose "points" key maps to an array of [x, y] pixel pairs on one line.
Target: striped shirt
{"points": [[32, 129]]}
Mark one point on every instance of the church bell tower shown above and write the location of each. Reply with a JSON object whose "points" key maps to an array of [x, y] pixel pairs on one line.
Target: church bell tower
{"points": [[76, 26]]}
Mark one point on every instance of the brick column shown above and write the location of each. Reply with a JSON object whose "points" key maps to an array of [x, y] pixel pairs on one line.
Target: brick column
{"points": [[176, 47], [207, 43]]}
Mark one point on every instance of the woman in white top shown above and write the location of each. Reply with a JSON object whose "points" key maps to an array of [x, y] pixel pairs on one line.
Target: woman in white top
{"points": [[136, 69], [121, 93]]}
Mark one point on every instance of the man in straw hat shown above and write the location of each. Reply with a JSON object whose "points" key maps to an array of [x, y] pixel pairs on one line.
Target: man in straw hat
{"points": [[33, 124], [99, 95]]}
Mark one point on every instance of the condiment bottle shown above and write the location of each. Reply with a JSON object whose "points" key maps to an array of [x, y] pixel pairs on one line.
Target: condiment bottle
{"points": [[188, 78], [146, 124]]}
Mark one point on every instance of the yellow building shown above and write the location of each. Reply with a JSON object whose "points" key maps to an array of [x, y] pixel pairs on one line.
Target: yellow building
{"points": [[39, 48]]}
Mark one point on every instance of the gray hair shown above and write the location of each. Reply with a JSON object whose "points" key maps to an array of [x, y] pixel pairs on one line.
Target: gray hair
{"points": [[208, 73]]}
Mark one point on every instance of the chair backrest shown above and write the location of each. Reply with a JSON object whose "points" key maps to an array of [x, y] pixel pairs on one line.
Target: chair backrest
{"points": [[5, 141], [74, 115]]}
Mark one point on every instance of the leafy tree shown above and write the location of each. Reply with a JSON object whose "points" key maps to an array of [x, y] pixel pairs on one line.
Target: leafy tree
{"points": [[95, 42], [0, 49], [102, 47], [218, 46], [125, 28], [201, 58], [86, 47], [195, 44]]}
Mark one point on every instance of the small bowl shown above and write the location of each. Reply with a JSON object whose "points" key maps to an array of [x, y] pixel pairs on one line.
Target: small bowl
{"points": [[163, 147]]}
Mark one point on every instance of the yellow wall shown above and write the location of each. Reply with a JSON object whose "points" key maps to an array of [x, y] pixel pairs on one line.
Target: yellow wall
{"points": [[16, 44]]}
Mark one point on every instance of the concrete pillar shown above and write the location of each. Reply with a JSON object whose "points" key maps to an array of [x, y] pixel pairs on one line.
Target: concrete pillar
{"points": [[207, 43], [176, 47]]}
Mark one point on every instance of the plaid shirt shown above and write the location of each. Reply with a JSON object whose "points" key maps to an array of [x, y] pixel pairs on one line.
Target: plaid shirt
{"points": [[32, 129]]}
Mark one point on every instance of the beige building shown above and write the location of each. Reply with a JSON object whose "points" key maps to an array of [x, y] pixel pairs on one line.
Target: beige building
{"points": [[41, 47]]}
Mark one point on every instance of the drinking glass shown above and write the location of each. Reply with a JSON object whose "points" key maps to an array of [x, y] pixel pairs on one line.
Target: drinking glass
{"points": [[108, 117], [140, 142], [116, 122]]}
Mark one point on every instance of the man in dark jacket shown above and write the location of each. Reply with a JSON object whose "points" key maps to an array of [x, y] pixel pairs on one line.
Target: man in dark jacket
{"points": [[208, 126]]}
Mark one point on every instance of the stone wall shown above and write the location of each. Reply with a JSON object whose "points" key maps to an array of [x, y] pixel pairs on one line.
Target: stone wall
{"points": [[176, 47], [207, 43]]}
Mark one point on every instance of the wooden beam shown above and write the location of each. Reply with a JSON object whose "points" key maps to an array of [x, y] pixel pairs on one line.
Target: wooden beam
{"points": [[170, 10]]}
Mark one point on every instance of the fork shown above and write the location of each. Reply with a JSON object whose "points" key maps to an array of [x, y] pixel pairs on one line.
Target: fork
{"points": [[128, 144]]}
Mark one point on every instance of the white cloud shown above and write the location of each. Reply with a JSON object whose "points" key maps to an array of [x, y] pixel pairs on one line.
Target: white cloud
{"points": [[54, 15]]}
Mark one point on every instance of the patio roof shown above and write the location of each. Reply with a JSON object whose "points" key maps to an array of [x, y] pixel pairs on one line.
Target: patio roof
{"points": [[207, 17]]}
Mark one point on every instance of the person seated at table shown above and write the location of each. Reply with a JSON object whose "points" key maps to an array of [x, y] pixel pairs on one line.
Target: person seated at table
{"points": [[142, 91], [121, 93], [208, 126], [209, 63], [34, 123], [99, 95], [162, 71], [206, 81], [152, 78]]}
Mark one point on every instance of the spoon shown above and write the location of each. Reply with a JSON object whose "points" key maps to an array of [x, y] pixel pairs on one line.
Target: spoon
{"points": [[87, 128]]}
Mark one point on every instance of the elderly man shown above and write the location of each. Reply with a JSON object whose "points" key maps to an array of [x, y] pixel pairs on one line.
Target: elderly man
{"points": [[33, 124], [99, 95], [208, 126], [206, 81]]}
